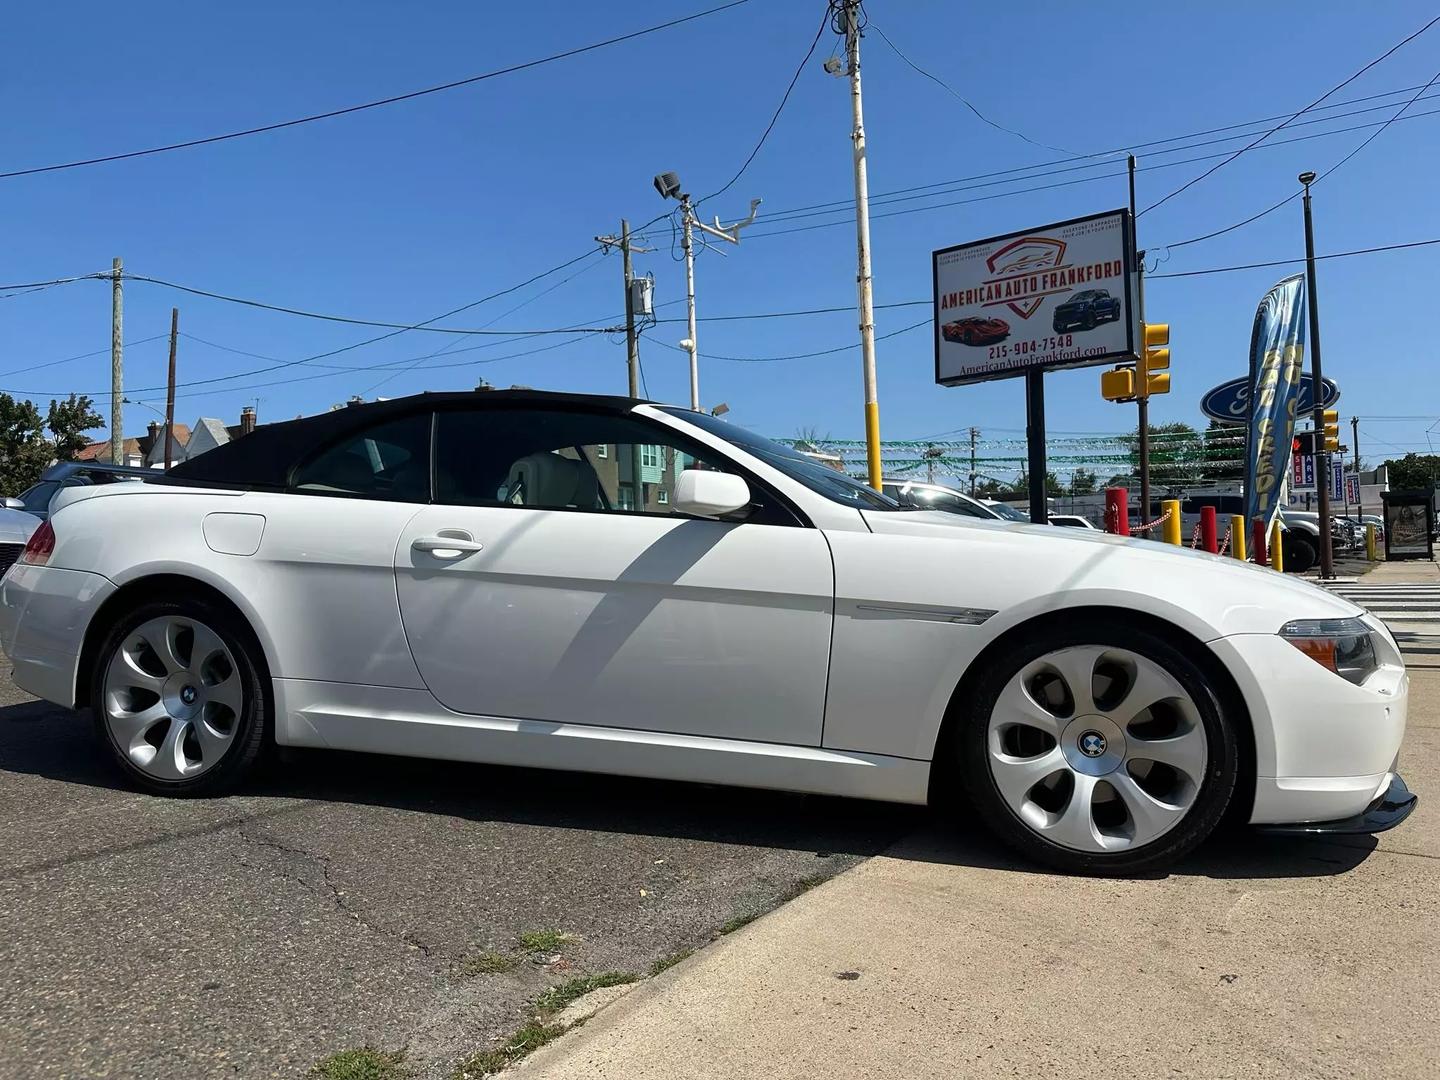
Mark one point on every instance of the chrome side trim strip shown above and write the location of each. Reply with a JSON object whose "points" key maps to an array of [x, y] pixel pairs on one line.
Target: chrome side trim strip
{"points": [[967, 616]]}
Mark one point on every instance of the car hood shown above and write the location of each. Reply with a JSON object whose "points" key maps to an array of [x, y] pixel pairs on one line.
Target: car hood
{"points": [[1065, 566]]}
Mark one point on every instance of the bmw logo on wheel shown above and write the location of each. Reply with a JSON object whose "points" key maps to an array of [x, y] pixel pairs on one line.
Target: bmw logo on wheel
{"points": [[1092, 744]]}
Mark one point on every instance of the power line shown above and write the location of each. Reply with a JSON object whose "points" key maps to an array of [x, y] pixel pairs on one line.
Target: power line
{"points": [[805, 356], [1298, 192], [83, 356], [1292, 262], [962, 98], [402, 327], [824, 21], [759, 232], [1048, 168], [398, 329], [374, 104], [1195, 180]]}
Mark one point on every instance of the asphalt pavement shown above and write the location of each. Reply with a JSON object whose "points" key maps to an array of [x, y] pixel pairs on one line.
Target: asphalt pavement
{"points": [[350, 900]]}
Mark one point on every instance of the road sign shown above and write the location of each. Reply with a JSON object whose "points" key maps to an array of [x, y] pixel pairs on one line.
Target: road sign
{"points": [[1059, 296], [1302, 471], [1230, 401]]}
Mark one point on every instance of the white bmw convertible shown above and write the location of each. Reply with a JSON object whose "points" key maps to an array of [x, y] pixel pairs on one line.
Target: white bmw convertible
{"points": [[591, 583]]}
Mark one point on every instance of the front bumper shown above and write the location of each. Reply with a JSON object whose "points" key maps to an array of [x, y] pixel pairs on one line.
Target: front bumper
{"points": [[1392, 807]]}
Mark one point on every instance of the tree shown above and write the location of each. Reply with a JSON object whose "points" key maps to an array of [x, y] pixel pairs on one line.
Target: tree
{"points": [[1177, 455], [24, 450], [809, 438], [1053, 487], [68, 421], [1082, 482], [1414, 471], [1224, 450]]}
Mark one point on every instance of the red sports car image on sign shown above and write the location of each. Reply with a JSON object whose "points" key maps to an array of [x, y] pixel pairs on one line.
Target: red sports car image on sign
{"points": [[976, 331]]}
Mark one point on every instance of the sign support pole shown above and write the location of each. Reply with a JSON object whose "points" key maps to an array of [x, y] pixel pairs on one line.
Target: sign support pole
{"points": [[1142, 384], [1322, 456], [1035, 444]]}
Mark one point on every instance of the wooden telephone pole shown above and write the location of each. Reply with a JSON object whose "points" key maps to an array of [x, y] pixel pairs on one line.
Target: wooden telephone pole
{"points": [[170, 392]]}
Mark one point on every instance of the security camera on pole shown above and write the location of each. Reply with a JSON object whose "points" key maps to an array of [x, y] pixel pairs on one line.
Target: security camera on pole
{"points": [[668, 185]]}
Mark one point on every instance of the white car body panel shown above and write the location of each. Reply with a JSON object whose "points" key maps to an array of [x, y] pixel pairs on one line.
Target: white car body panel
{"points": [[619, 619], [819, 657]]}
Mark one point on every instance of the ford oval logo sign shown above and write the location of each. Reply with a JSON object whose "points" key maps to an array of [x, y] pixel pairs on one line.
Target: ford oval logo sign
{"points": [[1230, 402]]}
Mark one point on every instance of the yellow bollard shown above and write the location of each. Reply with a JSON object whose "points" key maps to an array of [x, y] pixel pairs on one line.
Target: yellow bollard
{"points": [[1237, 536], [1277, 550], [1370, 552], [1171, 529]]}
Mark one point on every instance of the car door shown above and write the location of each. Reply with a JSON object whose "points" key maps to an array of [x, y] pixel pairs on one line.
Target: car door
{"points": [[550, 580]]}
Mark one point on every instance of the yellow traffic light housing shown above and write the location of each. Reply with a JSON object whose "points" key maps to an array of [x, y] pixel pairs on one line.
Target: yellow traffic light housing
{"points": [[1332, 429], [1155, 360], [1118, 385]]}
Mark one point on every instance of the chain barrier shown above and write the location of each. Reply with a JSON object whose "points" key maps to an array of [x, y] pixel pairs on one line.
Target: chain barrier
{"points": [[1224, 545], [1195, 537], [1150, 525]]}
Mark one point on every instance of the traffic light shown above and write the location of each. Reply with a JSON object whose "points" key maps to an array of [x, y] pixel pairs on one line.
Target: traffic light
{"points": [[1153, 370], [1118, 385], [1332, 429]]}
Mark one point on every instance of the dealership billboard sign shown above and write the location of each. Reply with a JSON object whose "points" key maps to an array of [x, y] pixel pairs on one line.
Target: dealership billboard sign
{"points": [[1060, 296]]}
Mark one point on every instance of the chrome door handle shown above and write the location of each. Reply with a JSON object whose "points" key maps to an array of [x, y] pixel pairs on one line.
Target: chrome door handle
{"points": [[445, 546]]}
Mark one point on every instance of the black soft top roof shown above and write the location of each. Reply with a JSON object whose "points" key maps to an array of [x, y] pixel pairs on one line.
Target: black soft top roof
{"points": [[265, 456]]}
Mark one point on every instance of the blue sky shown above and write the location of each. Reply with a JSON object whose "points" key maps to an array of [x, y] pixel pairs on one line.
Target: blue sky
{"points": [[400, 213]]}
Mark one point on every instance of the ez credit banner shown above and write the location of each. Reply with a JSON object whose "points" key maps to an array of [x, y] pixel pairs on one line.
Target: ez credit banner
{"points": [[1054, 297]]}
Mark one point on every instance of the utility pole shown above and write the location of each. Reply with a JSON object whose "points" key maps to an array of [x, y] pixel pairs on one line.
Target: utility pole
{"points": [[117, 360], [862, 243], [1142, 389], [668, 185], [632, 340], [688, 246], [1322, 456], [974, 433], [632, 333], [170, 392], [1359, 488]]}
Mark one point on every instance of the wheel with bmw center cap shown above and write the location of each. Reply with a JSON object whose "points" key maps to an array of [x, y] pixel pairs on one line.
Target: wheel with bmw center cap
{"points": [[1100, 749], [178, 697]]}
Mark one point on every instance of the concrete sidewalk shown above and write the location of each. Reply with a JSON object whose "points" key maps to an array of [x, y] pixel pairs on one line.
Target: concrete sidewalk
{"points": [[1403, 572], [946, 958]]}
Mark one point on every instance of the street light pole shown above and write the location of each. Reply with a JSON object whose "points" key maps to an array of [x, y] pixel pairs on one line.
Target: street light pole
{"points": [[1322, 457], [688, 245]]}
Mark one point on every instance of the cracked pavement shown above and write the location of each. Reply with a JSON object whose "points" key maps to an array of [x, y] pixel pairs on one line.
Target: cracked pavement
{"points": [[331, 904]]}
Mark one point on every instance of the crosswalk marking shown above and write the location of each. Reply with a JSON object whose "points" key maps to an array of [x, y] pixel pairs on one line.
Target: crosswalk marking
{"points": [[1414, 605]]}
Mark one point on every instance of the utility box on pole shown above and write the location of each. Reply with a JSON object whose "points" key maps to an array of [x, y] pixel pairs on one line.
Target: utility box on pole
{"points": [[642, 297]]}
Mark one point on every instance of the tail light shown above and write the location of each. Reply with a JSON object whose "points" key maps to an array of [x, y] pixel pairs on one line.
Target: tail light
{"points": [[41, 545]]}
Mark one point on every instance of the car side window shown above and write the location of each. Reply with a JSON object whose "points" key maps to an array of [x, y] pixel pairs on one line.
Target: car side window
{"points": [[549, 459], [389, 460]]}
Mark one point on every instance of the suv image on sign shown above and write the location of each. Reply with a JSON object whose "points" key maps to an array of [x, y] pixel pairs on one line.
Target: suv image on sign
{"points": [[1086, 309]]}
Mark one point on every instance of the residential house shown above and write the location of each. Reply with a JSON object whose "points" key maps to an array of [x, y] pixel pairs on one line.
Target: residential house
{"points": [[148, 450]]}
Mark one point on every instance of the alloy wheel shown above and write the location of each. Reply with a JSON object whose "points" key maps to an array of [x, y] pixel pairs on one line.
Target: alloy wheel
{"points": [[172, 698], [1097, 749]]}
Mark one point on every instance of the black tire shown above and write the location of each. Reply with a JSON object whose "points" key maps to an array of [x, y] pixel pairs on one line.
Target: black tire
{"points": [[1299, 553], [971, 735], [251, 735]]}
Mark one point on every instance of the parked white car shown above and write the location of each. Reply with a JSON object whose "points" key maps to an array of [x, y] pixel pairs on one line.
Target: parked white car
{"points": [[16, 528], [597, 584]]}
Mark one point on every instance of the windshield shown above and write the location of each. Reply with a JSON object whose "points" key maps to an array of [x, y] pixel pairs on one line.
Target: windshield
{"points": [[819, 478], [1008, 512]]}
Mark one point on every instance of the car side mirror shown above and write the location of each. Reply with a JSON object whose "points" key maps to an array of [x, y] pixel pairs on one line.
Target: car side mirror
{"points": [[710, 494], [11, 503]]}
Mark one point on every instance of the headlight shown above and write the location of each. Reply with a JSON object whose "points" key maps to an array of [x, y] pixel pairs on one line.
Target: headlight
{"points": [[1342, 645]]}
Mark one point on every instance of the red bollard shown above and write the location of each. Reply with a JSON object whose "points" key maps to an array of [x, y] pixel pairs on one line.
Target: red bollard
{"points": [[1117, 511], [1209, 540], [1257, 542]]}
